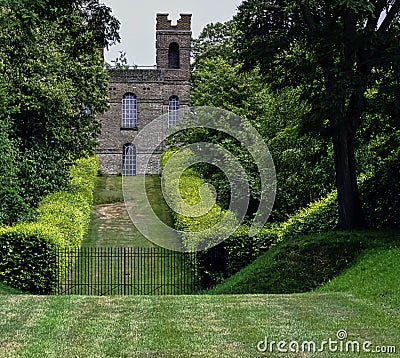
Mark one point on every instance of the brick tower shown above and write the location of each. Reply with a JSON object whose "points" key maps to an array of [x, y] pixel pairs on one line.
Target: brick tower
{"points": [[174, 43], [138, 95]]}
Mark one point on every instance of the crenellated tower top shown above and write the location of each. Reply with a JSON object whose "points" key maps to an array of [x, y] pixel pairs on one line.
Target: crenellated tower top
{"points": [[183, 24]]}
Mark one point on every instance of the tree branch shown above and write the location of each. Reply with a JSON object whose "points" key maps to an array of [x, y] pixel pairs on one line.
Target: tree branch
{"points": [[389, 17], [374, 18]]}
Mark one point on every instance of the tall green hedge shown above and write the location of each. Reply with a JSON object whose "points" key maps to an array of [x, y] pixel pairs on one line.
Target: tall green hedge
{"points": [[28, 258], [200, 198]]}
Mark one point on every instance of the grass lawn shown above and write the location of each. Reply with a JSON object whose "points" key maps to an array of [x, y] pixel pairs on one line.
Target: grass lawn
{"points": [[362, 297], [187, 326], [111, 225], [363, 300]]}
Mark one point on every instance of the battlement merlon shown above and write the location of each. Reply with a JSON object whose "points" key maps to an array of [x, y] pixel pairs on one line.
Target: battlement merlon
{"points": [[183, 24]]}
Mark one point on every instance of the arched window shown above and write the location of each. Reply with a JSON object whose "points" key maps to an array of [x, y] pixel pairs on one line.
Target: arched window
{"points": [[129, 111], [173, 56], [173, 109], [129, 160]]}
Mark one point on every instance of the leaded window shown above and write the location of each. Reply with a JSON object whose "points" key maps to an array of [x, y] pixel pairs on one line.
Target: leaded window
{"points": [[129, 111], [129, 160], [173, 111]]}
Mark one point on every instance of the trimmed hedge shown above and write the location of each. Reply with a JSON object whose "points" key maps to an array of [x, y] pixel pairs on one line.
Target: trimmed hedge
{"points": [[28, 250], [319, 216], [194, 192], [28, 259]]}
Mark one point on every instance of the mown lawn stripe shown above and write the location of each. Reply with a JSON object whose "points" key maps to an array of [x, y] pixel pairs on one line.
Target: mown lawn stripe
{"points": [[186, 326]]}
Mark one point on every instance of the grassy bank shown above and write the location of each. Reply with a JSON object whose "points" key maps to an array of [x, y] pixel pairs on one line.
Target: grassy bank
{"points": [[303, 263], [375, 276]]}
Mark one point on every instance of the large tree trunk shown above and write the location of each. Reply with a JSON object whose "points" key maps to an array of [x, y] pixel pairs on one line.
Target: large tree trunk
{"points": [[350, 209]]}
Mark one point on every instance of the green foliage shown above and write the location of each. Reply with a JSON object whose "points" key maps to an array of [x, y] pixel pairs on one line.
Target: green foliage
{"points": [[379, 157], [12, 205], [381, 196], [100, 22], [302, 263], [214, 40], [54, 85], [287, 118], [28, 258], [69, 210], [319, 216], [83, 178], [166, 155], [194, 206], [51, 171], [67, 214], [303, 163], [293, 45]]}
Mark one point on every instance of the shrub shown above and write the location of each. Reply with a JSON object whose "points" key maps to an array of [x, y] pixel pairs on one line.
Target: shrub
{"points": [[29, 258], [166, 155], [319, 216]]}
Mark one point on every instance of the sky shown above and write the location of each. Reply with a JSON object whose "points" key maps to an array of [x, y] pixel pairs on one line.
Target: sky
{"points": [[138, 23]]}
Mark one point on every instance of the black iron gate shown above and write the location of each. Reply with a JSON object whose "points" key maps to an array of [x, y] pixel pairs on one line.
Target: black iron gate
{"points": [[126, 271]]}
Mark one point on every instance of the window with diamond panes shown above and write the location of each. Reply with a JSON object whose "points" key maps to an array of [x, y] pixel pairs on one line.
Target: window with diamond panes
{"points": [[129, 111]]}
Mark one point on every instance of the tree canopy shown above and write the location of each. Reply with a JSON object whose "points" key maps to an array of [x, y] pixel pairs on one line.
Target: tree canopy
{"points": [[338, 51], [54, 86]]}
